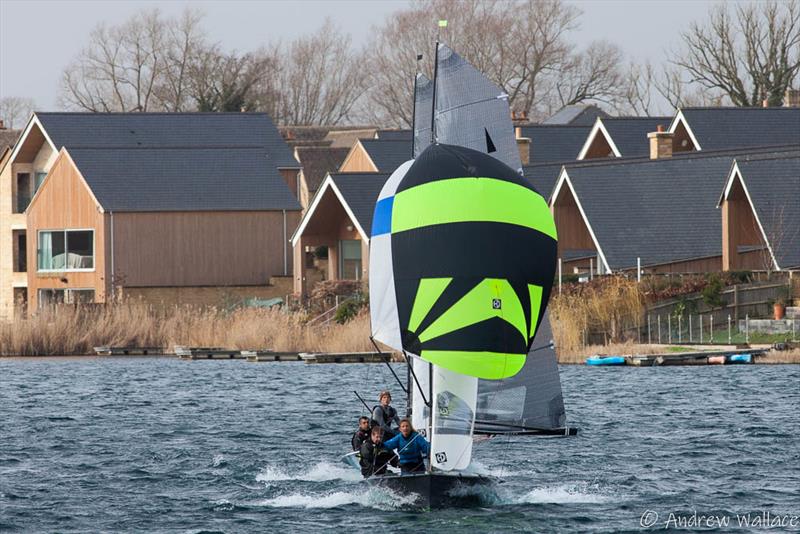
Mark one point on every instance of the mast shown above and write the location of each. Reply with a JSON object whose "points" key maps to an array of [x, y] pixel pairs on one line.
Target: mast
{"points": [[442, 24], [414, 108]]}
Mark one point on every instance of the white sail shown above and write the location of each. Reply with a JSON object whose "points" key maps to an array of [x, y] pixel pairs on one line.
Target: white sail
{"points": [[454, 399], [420, 413], [382, 298]]}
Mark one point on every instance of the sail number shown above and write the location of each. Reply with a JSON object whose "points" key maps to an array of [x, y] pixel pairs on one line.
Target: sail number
{"points": [[441, 457]]}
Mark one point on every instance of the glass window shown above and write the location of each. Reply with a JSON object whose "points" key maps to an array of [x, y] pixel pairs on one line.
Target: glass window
{"points": [[350, 259], [66, 250], [40, 176]]}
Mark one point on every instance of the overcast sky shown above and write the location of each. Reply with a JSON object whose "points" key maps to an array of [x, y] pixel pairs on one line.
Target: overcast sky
{"points": [[39, 38]]}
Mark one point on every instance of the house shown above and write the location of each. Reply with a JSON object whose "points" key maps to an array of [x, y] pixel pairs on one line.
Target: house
{"points": [[317, 162], [760, 206], [660, 213], [551, 143], [576, 115], [340, 220], [722, 128], [170, 207], [618, 137], [377, 155]]}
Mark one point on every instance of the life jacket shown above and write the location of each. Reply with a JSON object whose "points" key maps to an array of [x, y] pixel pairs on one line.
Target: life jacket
{"points": [[388, 415]]}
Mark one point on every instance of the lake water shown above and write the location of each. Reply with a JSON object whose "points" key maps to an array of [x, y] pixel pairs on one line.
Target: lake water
{"points": [[159, 444]]}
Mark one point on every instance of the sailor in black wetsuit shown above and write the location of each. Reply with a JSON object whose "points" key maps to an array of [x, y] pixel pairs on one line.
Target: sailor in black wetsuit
{"points": [[374, 456], [383, 415], [362, 434]]}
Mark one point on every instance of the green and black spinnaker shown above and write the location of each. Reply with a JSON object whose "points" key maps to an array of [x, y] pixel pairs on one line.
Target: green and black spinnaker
{"points": [[473, 257]]}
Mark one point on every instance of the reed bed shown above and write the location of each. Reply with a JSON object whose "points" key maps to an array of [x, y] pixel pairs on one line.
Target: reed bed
{"points": [[609, 308], [77, 330]]}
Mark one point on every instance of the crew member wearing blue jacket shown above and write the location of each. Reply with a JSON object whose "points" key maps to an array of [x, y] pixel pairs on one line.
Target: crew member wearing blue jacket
{"points": [[411, 447]]}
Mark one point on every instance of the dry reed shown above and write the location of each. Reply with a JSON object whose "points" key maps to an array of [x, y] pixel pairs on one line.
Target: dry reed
{"points": [[77, 330], [610, 307]]}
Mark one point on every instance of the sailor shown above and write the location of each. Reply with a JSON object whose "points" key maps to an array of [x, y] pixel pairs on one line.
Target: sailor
{"points": [[361, 434], [383, 415], [374, 456], [411, 447]]}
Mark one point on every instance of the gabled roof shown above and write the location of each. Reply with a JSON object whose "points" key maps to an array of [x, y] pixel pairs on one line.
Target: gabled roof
{"points": [[393, 135], [719, 128], [183, 179], [387, 155], [360, 192], [629, 134], [8, 138], [772, 185], [357, 192], [175, 130], [662, 211], [318, 161], [555, 142], [543, 176], [576, 115]]}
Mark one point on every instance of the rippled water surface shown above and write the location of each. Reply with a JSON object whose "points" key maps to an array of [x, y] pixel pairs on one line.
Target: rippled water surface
{"points": [[158, 444]]}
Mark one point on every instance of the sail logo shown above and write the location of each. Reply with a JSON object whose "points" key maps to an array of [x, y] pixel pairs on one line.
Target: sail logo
{"points": [[497, 304], [441, 457]]}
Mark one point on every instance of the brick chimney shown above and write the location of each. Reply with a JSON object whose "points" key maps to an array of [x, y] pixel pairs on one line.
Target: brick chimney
{"points": [[2, 126], [791, 99], [660, 143], [523, 145]]}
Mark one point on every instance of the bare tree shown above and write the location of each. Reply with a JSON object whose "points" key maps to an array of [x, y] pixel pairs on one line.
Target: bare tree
{"points": [[185, 40], [750, 55], [521, 46], [594, 74], [321, 78], [140, 65], [14, 110], [220, 81]]}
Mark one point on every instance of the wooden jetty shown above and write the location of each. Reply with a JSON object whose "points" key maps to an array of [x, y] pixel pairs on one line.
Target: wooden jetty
{"points": [[270, 356], [345, 357], [208, 353], [129, 351], [691, 358]]}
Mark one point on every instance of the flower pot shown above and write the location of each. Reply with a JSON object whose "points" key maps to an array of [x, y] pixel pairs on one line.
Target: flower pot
{"points": [[779, 311]]}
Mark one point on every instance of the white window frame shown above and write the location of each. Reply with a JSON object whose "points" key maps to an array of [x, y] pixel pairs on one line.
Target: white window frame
{"points": [[65, 230]]}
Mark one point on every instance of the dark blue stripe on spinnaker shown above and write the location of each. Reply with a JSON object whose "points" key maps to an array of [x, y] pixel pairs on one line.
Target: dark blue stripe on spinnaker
{"points": [[382, 219]]}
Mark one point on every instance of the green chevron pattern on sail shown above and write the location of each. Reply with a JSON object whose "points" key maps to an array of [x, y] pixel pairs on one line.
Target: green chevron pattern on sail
{"points": [[471, 200], [490, 298], [535, 293], [483, 364], [430, 289]]}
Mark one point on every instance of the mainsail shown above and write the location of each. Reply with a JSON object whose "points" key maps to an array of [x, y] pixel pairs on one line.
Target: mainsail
{"points": [[471, 111], [423, 107], [529, 402]]}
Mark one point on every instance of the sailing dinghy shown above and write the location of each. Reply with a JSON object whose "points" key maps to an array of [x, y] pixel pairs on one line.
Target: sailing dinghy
{"points": [[462, 261]]}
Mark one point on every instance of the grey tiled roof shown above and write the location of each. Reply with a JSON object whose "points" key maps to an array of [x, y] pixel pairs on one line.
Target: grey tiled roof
{"points": [[733, 127], [630, 133], [663, 211], [394, 135], [162, 130], [554, 142], [576, 114], [544, 176], [360, 191], [183, 179], [318, 161], [8, 138], [773, 181], [387, 155]]}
